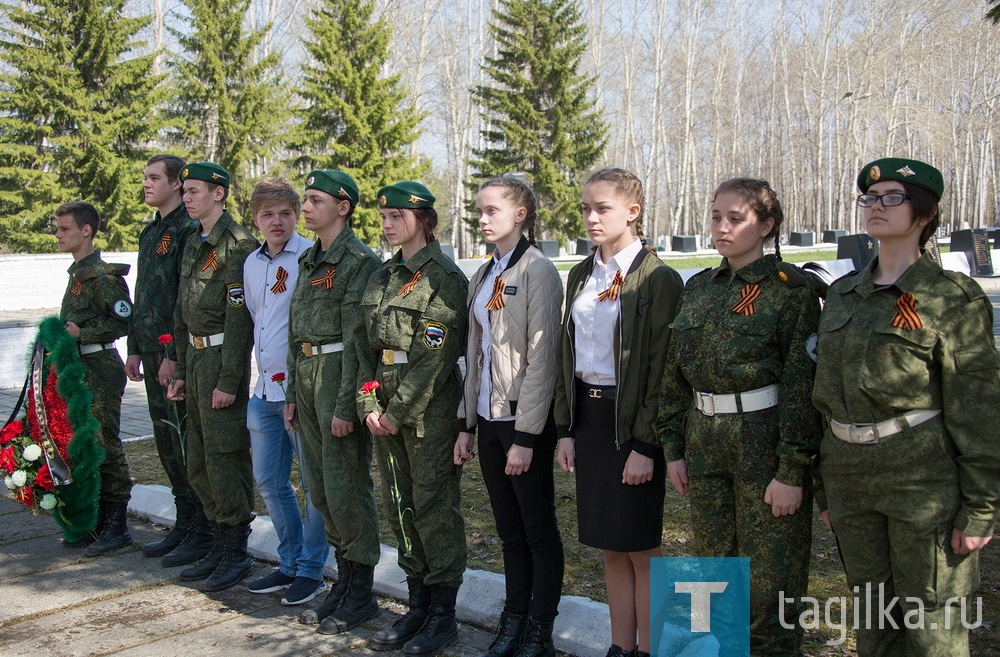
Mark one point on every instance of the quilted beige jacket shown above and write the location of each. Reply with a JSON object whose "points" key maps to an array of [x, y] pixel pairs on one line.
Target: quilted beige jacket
{"points": [[525, 335]]}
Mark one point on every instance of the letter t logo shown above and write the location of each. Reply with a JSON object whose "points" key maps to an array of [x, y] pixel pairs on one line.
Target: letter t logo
{"points": [[701, 602]]}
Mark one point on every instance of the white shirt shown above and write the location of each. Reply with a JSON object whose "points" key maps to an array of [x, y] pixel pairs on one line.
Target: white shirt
{"points": [[486, 345], [269, 307], [594, 321]]}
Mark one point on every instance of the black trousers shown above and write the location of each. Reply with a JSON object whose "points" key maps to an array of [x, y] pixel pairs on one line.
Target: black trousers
{"points": [[525, 512]]}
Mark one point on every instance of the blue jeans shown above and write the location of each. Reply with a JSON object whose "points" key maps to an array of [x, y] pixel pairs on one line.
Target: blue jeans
{"points": [[302, 547]]}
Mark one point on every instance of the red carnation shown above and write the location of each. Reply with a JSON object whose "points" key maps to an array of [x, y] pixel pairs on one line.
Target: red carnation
{"points": [[11, 431], [25, 495], [165, 339], [44, 478], [8, 462], [370, 388], [278, 378]]}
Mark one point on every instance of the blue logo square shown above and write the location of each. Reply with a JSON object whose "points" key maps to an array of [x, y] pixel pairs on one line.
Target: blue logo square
{"points": [[700, 606]]}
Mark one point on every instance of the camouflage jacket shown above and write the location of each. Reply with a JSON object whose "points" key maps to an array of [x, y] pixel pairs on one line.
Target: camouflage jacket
{"points": [[211, 299], [740, 331], [417, 306], [924, 342], [158, 273], [326, 307], [96, 300]]}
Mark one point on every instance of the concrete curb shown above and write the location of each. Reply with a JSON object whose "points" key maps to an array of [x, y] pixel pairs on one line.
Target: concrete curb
{"points": [[582, 628]]}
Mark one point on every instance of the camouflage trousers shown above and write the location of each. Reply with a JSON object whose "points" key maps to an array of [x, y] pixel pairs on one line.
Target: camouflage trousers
{"points": [[892, 506], [731, 460], [168, 441], [338, 470], [422, 497], [218, 442], [105, 377]]}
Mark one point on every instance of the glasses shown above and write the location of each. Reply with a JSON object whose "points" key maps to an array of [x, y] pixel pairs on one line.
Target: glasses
{"points": [[889, 200]]}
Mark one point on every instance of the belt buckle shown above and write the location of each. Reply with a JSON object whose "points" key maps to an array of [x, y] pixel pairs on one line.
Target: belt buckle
{"points": [[388, 357], [199, 341], [594, 393], [706, 403], [874, 433], [307, 349]]}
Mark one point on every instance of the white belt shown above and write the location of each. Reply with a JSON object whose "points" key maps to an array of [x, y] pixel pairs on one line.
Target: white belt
{"points": [[747, 402], [310, 349], [95, 347], [871, 433], [390, 357], [199, 342]]}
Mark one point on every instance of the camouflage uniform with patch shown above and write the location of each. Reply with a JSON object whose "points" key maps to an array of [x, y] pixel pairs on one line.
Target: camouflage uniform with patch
{"points": [[211, 303], [158, 272], [922, 343], [326, 309], [418, 308], [97, 301], [735, 334]]}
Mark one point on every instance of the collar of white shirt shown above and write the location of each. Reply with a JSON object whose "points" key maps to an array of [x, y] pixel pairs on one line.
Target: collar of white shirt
{"points": [[623, 259]]}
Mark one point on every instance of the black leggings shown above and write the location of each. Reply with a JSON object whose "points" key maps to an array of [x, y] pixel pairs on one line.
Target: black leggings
{"points": [[525, 512]]}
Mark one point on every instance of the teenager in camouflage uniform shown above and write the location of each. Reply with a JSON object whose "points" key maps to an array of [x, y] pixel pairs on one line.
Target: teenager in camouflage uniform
{"points": [[325, 333], [96, 309], [741, 342], [908, 385], [213, 336], [161, 245], [414, 307]]}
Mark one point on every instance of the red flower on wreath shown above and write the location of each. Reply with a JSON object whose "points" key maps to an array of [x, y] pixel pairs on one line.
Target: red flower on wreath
{"points": [[165, 339], [25, 495], [55, 412], [44, 478], [11, 431], [8, 462]]}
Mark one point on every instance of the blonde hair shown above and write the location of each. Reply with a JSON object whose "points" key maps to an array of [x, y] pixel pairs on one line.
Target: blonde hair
{"points": [[274, 190], [629, 188]]}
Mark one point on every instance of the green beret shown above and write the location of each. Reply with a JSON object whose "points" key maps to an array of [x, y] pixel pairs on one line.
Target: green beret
{"points": [[335, 183], [902, 170], [207, 171], [406, 194]]}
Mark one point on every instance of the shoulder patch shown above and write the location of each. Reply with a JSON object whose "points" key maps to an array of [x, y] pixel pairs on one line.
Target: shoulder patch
{"points": [[434, 335], [122, 308], [236, 296]]}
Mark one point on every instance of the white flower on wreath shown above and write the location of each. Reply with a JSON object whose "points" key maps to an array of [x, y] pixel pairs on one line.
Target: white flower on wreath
{"points": [[19, 478], [8, 481], [48, 502], [32, 453]]}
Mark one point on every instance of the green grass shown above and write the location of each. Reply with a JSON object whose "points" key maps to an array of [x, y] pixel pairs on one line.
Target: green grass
{"points": [[584, 565]]}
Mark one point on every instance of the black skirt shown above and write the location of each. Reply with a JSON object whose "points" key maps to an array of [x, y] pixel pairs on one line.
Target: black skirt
{"points": [[612, 515]]}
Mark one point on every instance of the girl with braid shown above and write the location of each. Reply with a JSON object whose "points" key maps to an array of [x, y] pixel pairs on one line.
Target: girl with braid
{"points": [[619, 305], [514, 301], [735, 414]]}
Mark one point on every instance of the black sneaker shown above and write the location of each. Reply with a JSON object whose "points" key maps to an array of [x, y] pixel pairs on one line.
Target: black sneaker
{"points": [[276, 581], [302, 590]]}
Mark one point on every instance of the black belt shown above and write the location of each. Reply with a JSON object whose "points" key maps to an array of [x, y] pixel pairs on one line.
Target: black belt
{"points": [[596, 392]]}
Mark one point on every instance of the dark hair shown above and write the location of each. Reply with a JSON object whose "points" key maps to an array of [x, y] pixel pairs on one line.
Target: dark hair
{"points": [[519, 193], [274, 190], [925, 205], [761, 199], [428, 220], [212, 187], [172, 165], [628, 187], [83, 213]]}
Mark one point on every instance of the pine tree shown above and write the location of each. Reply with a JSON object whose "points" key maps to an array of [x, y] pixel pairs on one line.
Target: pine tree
{"points": [[537, 114], [78, 109], [994, 12], [229, 103], [354, 118]]}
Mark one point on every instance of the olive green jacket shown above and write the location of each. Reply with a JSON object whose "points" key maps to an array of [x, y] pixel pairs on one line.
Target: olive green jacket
{"points": [[648, 302], [96, 300]]}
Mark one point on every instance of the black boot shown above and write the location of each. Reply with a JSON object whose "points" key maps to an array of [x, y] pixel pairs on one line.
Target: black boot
{"points": [[177, 533], [235, 564], [510, 635], [333, 598], [439, 630], [196, 545], [115, 535], [538, 640], [357, 606], [407, 625], [92, 536], [208, 563]]}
